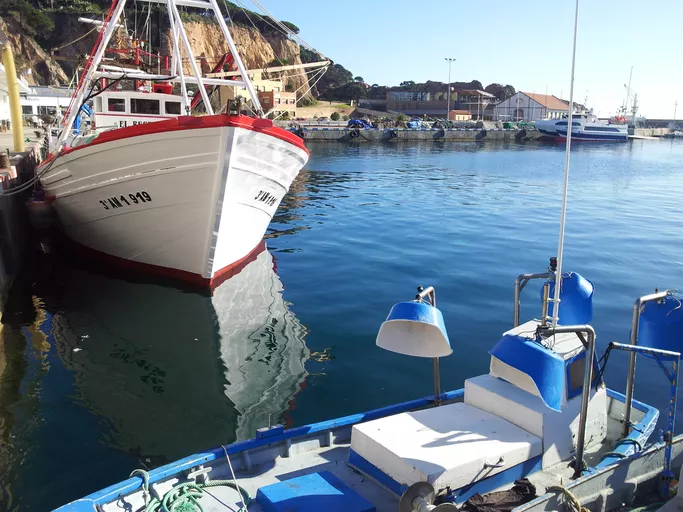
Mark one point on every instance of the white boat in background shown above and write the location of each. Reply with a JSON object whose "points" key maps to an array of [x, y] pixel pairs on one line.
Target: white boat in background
{"points": [[183, 196], [585, 126]]}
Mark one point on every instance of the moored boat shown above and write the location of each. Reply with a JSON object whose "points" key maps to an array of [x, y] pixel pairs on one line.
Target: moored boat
{"points": [[530, 416], [585, 127], [184, 196]]}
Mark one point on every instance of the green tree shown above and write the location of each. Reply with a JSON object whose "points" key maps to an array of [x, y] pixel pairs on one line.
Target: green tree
{"points": [[33, 21], [359, 79], [334, 116]]}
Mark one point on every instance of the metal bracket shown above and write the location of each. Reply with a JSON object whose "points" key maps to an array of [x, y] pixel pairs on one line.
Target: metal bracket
{"points": [[499, 464]]}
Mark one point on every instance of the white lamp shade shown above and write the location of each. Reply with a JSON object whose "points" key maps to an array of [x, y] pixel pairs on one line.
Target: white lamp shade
{"points": [[415, 329]]}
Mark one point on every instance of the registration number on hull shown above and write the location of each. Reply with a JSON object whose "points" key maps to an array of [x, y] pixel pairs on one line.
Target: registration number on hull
{"points": [[124, 200]]}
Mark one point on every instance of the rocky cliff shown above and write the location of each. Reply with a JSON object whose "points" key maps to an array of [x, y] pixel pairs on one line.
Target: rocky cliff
{"points": [[32, 61], [72, 41], [257, 50]]}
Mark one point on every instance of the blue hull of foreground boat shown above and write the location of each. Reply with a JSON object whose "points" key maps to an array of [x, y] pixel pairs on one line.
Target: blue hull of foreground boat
{"points": [[638, 437]]}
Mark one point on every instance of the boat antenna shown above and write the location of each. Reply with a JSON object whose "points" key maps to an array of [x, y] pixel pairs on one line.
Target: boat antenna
{"points": [[563, 214]]}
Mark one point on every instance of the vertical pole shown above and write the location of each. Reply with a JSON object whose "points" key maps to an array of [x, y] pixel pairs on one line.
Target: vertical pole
{"points": [[190, 55], [585, 398], [671, 424], [237, 59], [518, 283], [563, 214], [635, 109], [177, 58], [448, 92], [14, 101], [631, 375], [675, 108], [437, 382], [544, 310], [79, 95], [628, 91]]}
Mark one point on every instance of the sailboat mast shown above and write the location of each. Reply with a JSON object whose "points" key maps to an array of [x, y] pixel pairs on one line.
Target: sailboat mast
{"points": [[563, 214], [628, 90]]}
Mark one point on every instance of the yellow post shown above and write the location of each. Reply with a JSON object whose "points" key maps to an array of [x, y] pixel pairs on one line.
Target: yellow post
{"points": [[14, 104]]}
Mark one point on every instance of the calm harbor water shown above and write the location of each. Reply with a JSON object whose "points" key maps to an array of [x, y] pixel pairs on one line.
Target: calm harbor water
{"points": [[103, 373]]}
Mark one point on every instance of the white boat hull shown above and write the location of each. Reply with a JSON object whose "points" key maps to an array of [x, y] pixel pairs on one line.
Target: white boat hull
{"points": [[188, 197]]}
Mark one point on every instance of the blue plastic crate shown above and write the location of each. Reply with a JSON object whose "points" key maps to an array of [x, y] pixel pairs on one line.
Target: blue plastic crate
{"points": [[312, 493]]}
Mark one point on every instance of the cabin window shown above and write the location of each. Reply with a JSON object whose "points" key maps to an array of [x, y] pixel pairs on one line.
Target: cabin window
{"points": [[172, 107], [98, 104], [602, 129], [144, 106], [116, 104], [27, 110]]}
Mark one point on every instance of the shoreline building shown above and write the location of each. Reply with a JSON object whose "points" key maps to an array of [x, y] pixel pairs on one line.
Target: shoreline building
{"points": [[5, 117], [44, 100], [527, 106]]}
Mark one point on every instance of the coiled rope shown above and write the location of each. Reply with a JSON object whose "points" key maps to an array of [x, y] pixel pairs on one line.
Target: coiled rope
{"points": [[185, 497], [570, 499]]}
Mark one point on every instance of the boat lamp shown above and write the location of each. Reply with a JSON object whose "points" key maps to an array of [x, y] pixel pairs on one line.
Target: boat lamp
{"points": [[416, 328]]}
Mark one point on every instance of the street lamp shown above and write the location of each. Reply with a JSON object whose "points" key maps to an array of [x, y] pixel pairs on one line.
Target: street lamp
{"points": [[448, 97]]}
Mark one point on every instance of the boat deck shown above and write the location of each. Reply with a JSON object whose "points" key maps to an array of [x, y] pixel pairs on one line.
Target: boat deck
{"points": [[329, 451]]}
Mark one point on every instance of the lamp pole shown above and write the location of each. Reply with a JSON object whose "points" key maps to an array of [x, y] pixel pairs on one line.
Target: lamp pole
{"points": [[448, 93]]}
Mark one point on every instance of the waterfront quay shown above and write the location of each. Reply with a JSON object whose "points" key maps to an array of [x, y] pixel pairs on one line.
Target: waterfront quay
{"points": [[406, 134]]}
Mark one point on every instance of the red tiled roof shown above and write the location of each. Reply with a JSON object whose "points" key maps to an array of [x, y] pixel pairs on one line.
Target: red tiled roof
{"points": [[549, 101]]}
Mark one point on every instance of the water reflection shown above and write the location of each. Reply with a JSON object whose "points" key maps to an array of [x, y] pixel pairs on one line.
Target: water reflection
{"points": [[134, 374], [175, 371]]}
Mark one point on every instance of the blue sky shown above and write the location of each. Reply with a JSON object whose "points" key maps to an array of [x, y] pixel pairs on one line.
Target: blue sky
{"points": [[525, 43]]}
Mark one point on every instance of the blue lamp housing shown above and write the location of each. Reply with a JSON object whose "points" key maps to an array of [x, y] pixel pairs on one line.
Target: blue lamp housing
{"points": [[576, 299], [415, 328], [661, 324]]}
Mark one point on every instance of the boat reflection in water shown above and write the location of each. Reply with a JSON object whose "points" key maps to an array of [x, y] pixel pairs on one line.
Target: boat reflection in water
{"points": [[169, 371]]}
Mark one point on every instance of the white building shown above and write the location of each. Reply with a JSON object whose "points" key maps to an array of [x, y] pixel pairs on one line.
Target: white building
{"points": [[527, 106], [5, 116], [41, 100]]}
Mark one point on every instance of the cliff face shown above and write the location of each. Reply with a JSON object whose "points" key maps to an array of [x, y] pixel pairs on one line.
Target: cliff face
{"points": [[257, 50], [29, 55], [72, 41]]}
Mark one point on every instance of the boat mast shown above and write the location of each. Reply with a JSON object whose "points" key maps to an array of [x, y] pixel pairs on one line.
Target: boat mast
{"points": [[110, 25], [210, 5], [563, 214]]}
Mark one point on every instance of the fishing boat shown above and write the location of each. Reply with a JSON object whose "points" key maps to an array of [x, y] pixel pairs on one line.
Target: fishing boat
{"points": [[542, 412], [585, 127], [161, 190]]}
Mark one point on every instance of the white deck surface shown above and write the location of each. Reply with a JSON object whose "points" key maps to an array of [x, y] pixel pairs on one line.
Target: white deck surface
{"points": [[446, 446]]}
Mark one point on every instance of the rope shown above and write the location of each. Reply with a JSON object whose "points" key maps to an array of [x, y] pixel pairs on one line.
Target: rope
{"points": [[317, 79], [569, 498], [185, 497], [145, 482], [75, 40], [603, 360]]}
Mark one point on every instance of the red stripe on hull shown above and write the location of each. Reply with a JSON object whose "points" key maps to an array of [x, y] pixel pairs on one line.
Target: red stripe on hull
{"points": [[189, 123], [171, 273]]}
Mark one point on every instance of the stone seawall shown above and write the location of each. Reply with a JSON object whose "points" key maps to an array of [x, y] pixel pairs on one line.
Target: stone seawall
{"points": [[401, 134]]}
